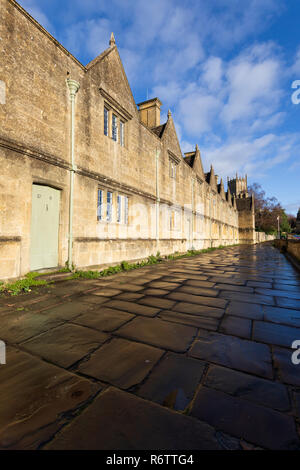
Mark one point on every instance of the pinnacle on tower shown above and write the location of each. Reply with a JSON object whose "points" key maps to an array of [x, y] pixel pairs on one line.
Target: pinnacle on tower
{"points": [[169, 114], [112, 41]]}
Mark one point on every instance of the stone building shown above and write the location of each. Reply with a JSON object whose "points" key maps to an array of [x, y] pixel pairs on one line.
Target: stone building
{"points": [[89, 177]]}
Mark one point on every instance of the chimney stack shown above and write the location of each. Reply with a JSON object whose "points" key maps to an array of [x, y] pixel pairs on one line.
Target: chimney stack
{"points": [[150, 112]]}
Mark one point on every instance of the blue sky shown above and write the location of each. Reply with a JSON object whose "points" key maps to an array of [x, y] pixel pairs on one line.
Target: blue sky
{"points": [[224, 68]]}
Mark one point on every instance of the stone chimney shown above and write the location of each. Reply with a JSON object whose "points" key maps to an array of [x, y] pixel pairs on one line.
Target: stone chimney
{"points": [[150, 112]]}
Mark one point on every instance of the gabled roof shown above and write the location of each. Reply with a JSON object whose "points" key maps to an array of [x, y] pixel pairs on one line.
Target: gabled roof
{"points": [[169, 133], [108, 71], [221, 190], [189, 158], [211, 179], [228, 195], [193, 159]]}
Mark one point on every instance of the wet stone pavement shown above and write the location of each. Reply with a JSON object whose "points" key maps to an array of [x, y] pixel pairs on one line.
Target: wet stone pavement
{"points": [[188, 354]]}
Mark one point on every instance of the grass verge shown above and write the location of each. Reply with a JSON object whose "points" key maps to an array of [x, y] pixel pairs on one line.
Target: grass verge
{"points": [[22, 285]]}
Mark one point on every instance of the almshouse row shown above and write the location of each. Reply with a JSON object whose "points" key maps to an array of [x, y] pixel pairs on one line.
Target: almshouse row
{"points": [[89, 177]]}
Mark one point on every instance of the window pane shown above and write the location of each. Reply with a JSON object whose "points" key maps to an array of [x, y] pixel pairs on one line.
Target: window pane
{"points": [[125, 210], [122, 133], [105, 121], [99, 205], [119, 206], [114, 128], [109, 206]]}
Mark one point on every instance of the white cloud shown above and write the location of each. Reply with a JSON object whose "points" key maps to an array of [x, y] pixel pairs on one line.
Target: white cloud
{"points": [[197, 111], [213, 73]]}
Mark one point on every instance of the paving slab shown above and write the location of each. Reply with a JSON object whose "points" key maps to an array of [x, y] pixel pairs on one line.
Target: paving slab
{"points": [[264, 285], [69, 309], [249, 387], [165, 335], [104, 319], [19, 326], [280, 293], [205, 322], [107, 292], [254, 423], [36, 394], [251, 298], [129, 296], [173, 382], [233, 352], [208, 284], [134, 308], [197, 299], [236, 326], [198, 291], [155, 292], [288, 303], [121, 363], [195, 309], [120, 420], [288, 372], [271, 333], [157, 302], [66, 344], [282, 316], [287, 287], [127, 287], [247, 310], [226, 279], [234, 288], [90, 298]]}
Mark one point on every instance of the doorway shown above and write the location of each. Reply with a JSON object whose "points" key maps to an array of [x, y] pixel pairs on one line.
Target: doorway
{"points": [[44, 227]]}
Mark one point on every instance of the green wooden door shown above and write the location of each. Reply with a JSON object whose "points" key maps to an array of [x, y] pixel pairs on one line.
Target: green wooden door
{"points": [[44, 227]]}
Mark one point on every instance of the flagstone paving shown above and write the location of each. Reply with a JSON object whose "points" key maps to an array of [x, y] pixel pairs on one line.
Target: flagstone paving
{"points": [[194, 353]]}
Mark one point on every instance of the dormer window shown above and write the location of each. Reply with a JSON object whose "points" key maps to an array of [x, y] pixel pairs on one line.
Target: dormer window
{"points": [[115, 119]]}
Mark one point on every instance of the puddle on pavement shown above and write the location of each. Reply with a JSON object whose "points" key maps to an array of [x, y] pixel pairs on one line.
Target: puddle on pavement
{"points": [[176, 400]]}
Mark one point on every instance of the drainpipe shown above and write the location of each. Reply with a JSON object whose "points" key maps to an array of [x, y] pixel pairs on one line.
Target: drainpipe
{"points": [[157, 198], [73, 88]]}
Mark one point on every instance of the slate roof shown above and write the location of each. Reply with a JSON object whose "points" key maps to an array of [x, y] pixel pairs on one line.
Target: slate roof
{"points": [[159, 130]]}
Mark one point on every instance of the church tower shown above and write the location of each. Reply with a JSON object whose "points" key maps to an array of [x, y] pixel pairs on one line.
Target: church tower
{"points": [[238, 186]]}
